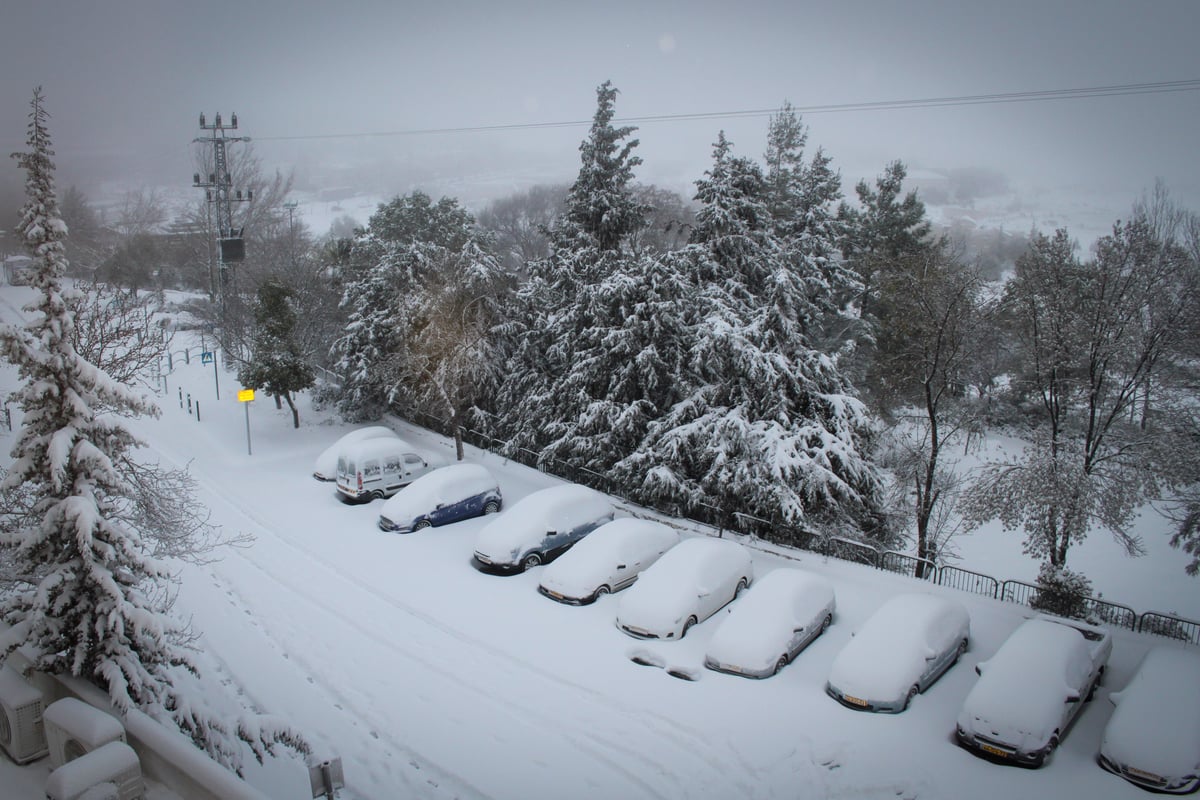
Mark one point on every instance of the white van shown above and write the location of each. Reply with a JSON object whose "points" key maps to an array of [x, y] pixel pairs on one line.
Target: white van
{"points": [[378, 468]]}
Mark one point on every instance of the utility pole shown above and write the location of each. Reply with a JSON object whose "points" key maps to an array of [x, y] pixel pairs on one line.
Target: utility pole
{"points": [[219, 191], [291, 209]]}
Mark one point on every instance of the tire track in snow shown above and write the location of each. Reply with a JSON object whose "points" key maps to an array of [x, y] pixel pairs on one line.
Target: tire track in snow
{"points": [[612, 751], [429, 774]]}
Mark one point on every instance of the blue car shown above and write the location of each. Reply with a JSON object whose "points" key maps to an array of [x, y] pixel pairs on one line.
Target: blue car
{"points": [[446, 495]]}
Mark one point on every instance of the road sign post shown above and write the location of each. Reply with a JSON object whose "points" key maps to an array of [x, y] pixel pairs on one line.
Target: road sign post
{"points": [[245, 397]]}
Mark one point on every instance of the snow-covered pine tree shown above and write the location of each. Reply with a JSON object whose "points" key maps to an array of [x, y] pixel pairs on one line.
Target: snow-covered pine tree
{"points": [[627, 360], [90, 601], [276, 366], [387, 264], [801, 198], [561, 365], [767, 426], [601, 203], [883, 230]]}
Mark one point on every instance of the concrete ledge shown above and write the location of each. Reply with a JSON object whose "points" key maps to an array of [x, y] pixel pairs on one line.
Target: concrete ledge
{"points": [[167, 756]]}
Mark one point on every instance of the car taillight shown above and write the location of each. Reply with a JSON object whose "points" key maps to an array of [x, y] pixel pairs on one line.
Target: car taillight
{"points": [[359, 481]]}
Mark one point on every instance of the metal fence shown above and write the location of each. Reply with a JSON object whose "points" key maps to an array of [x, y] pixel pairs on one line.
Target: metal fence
{"points": [[848, 549]]}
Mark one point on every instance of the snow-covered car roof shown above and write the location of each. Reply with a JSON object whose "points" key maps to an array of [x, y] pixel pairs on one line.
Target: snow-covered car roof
{"points": [[889, 652], [326, 463], [1022, 688], [582, 568], [670, 587], [444, 485], [760, 625], [1156, 724], [527, 520], [377, 447]]}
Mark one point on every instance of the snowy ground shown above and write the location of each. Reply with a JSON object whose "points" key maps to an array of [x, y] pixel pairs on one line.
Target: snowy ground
{"points": [[433, 680]]}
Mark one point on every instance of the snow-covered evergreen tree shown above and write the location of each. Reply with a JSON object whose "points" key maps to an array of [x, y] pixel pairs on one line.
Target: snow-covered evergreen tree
{"points": [[801, 198], [276, 366], [388, 263], [884, 229], [601, 204], [91, 601], [568, 378], [766, 424]]}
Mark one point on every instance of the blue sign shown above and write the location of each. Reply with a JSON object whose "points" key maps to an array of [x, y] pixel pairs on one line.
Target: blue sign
{"points": [[206, 357]]}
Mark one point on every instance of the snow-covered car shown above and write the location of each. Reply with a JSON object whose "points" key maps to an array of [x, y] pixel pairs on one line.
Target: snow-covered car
{"points": [[906, 645], [690, 583], [785, 611], [325, 468], [373, 469], [541, 526], [1032, 689], [1153, 736], [607, 560], [446, 495]]}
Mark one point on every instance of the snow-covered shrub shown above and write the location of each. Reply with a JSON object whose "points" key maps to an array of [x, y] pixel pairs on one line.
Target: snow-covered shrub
{"points": [[1062, 591]]}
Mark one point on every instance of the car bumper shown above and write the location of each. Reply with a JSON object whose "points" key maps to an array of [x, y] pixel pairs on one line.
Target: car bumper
{"points": [[999, 751], [733, 669], [863, 704], [485, 563], [1149, 780], [642, 633], [387, 526], [559, 597]]}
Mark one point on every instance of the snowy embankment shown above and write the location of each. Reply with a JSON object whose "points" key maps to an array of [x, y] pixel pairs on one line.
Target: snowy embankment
{"points": [[433, 680]]}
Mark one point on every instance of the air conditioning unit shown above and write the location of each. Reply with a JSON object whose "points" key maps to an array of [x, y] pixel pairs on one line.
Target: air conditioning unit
{"points": [[73, 728], [21, 711], [110, 772]]}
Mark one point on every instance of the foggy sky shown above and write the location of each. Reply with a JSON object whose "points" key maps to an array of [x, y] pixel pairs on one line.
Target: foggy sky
{"points": [[126, 79]]}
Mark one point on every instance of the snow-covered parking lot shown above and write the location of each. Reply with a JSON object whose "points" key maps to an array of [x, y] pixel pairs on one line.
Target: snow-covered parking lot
{"points": [[432, 679]]}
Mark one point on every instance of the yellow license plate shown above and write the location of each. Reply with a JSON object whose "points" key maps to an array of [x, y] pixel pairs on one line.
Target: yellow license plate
{"points": [[858, 701], [996, 751]]}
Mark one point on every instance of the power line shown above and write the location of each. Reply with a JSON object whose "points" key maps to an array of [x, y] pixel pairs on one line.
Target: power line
{"points": [[1117, 90]]}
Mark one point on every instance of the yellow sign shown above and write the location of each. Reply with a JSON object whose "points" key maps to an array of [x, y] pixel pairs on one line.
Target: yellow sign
{"points": [[245, 395]]}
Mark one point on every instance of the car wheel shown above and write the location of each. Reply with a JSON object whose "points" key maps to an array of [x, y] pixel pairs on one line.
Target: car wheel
{"points": [[602, 589], [422, 525], [912, 692], [491, 508], [780, 664], [687, 625], [1051, 746], [825, 623], [376, 495], [1091, 692], [531, 561], [962, 648], [741, 587]]}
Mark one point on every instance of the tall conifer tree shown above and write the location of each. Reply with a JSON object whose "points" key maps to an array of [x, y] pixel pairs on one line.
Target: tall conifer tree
{"points": [[92, 601]]}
